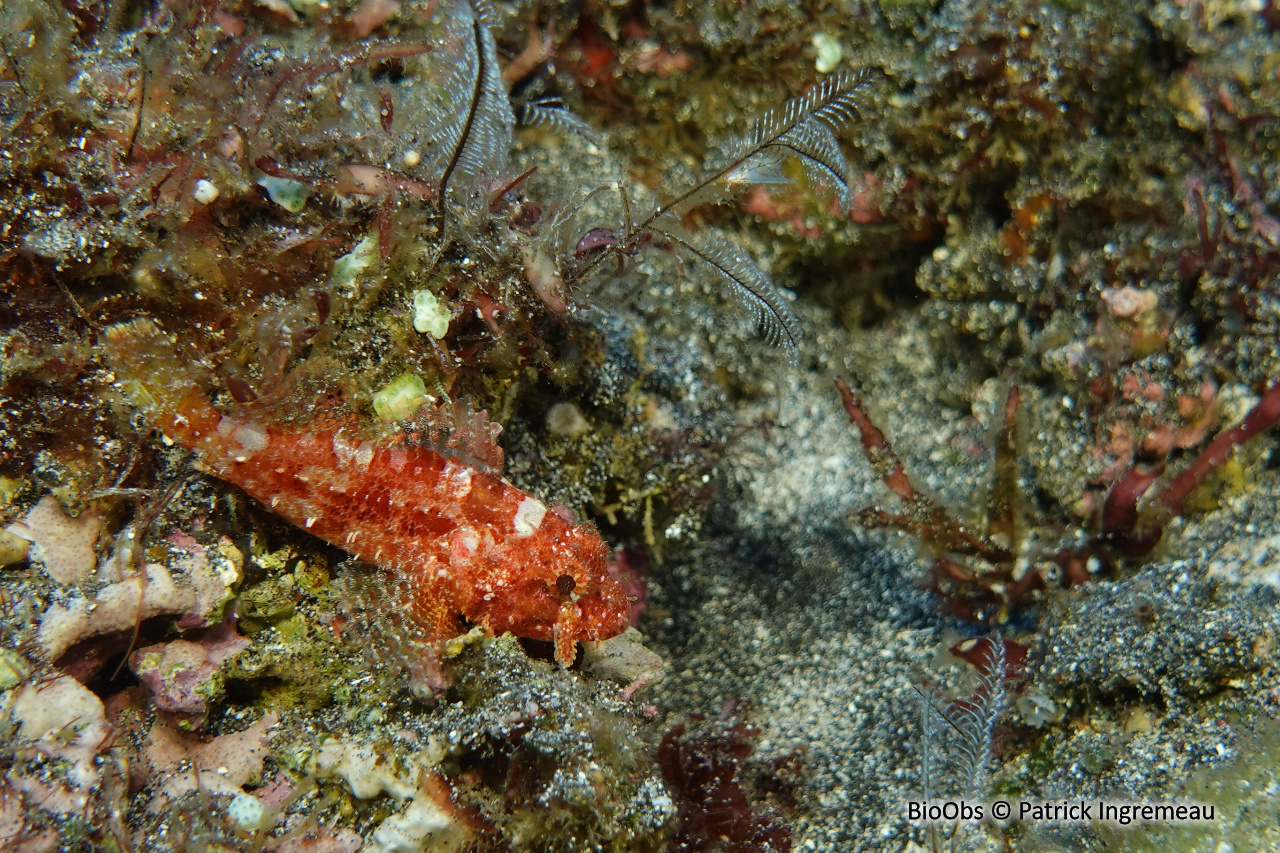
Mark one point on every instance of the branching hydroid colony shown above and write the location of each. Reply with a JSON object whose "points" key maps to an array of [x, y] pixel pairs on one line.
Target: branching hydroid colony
{"points": [[806, 128], [957, 736], [475, 120], [473, 135]]}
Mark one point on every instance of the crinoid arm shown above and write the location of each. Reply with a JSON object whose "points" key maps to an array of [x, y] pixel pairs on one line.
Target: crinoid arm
{"points": [[746, 282], [805, 127], [459, 431], [474, 122], [550, 112], [957, 737]]}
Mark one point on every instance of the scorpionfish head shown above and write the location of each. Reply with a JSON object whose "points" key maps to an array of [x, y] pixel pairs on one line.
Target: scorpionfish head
{"points": [[557, 587]]}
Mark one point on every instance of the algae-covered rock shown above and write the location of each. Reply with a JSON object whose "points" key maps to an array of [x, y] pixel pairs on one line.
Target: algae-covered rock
{"points": [[570, 768], [267, 603], [1167, 634], [184, 676]]}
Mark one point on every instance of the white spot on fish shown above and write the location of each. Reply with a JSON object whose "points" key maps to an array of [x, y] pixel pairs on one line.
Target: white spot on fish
{"points": [[311, 521], [343, 448], [364, 454], [251, 437], [468, 539], [458, 478], [528, 516]]}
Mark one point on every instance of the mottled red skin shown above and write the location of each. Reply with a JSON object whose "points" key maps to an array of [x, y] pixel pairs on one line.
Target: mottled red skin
{"points": [[472, 544]]}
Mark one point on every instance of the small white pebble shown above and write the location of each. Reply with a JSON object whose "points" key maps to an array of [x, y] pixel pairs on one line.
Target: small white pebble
{"points": [[247, 812], [829, 53], [430, 316], [205, 192], [565, 419], [286, 192], [412, 158]]}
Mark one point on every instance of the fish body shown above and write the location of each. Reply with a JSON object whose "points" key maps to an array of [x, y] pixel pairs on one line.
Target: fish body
{"points": [[464, 542]]}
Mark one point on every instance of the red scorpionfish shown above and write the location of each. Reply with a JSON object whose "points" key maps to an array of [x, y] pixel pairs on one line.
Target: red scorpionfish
{"points": [[453, 540]]}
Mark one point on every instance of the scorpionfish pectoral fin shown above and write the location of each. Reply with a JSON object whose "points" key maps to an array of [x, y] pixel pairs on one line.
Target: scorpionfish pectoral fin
{"points": [[565, 634]]}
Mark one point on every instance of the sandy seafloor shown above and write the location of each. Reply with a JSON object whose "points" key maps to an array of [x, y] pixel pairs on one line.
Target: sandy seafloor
{"points": [[826, 630]]}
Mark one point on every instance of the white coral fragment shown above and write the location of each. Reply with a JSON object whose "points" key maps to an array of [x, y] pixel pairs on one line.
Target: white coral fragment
{"points": [[366, 772], [248, 813], [206, 192], [178, 761], [63, 719], [349, 268], [422, 826], [61, 544], [290, 194], [829, 53], [427, 824], [430, 316], [116, 607], [400, 399]]}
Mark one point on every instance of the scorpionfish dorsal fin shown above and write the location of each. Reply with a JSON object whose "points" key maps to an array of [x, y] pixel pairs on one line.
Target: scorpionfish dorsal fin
{"points": [[159, 382], [457, 430]]}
